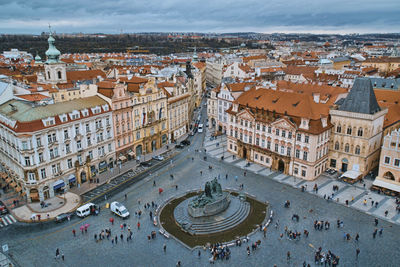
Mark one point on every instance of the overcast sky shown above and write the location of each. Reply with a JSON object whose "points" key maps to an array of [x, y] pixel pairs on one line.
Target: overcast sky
{"points": [[114, 16]]}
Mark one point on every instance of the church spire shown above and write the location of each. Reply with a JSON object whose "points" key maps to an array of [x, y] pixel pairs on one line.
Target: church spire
{"points": [[52, 53]]}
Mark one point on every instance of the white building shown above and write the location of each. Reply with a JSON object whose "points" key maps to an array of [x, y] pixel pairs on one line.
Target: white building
{"points": [[46, 149]]}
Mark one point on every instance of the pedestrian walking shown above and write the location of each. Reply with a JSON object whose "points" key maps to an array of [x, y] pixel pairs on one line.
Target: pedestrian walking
{"points": [[74, 232], [57, 253], [126, 197], [226, 176], [288, 256], [138, 225], [376, 221], [357, 252], [386, 213], [154, 183], [176, 187], [165, 248], [178, 264], [201, 173], [199, 254], [380, 231], [357, 237]]}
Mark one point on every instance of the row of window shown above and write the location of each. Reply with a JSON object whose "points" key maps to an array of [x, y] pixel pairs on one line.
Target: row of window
{"points": [[396, 162], [278, 132], [54, 153], [357, 149], [349, 130]]}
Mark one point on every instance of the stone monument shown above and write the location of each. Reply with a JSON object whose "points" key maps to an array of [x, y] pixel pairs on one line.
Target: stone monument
{"points": [[212, 201]]}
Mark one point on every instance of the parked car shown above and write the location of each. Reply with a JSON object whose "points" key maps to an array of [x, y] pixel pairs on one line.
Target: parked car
{"points": [[62, 217], [185, 142], [3, 209], [160, 158], [87, 210], [146, 164], [119, 209], [179, 146]]}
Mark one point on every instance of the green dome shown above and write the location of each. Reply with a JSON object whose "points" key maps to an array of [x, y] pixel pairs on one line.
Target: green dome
{"points": [[52, 53]]}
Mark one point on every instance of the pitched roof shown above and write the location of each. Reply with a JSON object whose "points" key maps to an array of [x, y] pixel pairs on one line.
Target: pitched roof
{"points": [[26, 113], [84, 75], [361, 98], [33, 97], [293, 104]]}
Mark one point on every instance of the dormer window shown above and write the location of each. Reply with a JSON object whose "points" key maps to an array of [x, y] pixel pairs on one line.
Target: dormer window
{"points": [[74, 115], [96, 110], [49, 122], [105, 107], [85, 112], [63, 118]]}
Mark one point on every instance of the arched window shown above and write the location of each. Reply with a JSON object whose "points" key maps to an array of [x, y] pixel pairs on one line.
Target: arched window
{"points": [[389, 176], [360, 131], [59, 75], [337, 145], [346, 148], [357, 151], [349, 130], [339, 129]]}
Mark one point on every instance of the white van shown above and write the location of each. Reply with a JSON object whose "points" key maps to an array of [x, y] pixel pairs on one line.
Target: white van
{"points": [[119, 209], [200, 128], [85, 210]]}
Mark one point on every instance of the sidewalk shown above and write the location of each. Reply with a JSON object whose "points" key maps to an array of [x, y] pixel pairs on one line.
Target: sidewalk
{"points": [[65, 204], [352, 196], [129, 165]]}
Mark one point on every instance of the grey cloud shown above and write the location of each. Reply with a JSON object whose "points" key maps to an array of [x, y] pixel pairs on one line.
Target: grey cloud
{"points": [[32, 16]]}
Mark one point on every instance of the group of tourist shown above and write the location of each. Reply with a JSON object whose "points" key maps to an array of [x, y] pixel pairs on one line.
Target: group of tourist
{"points": [[219, 251]]}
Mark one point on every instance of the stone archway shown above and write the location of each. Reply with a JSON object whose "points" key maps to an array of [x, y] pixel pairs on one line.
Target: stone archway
{"points": [[389, 176]]}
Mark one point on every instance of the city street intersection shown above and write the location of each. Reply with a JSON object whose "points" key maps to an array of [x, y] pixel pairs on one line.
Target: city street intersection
{"points": [[35, 244]]}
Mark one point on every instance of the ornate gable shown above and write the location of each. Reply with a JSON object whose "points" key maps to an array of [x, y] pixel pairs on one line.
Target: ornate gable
{"points": [[284, 123], [246, 115]]}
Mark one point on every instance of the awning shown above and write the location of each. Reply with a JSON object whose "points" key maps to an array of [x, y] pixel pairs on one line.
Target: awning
{"points": [[387, 185], [18, 189], [13, 184], [34, 195], [352, 174], [131, 154], [58, 184], [72, 178], [122, 158]]}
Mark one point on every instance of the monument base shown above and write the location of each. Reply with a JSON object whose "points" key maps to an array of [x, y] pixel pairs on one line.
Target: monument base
{"points": [[219, 204]]}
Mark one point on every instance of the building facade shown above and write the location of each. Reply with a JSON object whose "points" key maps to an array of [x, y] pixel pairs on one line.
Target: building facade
{"points": [[389, 163], [280, 131], [357, 133], [53, 147]]}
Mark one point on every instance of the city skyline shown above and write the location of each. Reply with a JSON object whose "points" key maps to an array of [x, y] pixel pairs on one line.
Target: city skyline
{"points": [[308, 16]]}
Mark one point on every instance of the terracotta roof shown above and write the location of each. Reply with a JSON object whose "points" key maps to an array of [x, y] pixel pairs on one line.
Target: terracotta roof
{"points": [[246, 68], [383, 60], [310, 89], [33, 97], [84, 75], [108, 92], [238, 87], [251, 58], [106, 85], [199, 65], [298, 70], [134, 79], [293, 104]]}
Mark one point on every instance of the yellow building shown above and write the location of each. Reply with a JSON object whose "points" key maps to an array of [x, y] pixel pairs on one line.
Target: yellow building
{"points": [[383, 64]]}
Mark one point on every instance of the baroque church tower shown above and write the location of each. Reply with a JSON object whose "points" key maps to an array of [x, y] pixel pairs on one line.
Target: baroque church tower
{"points": [[55, 70]]}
